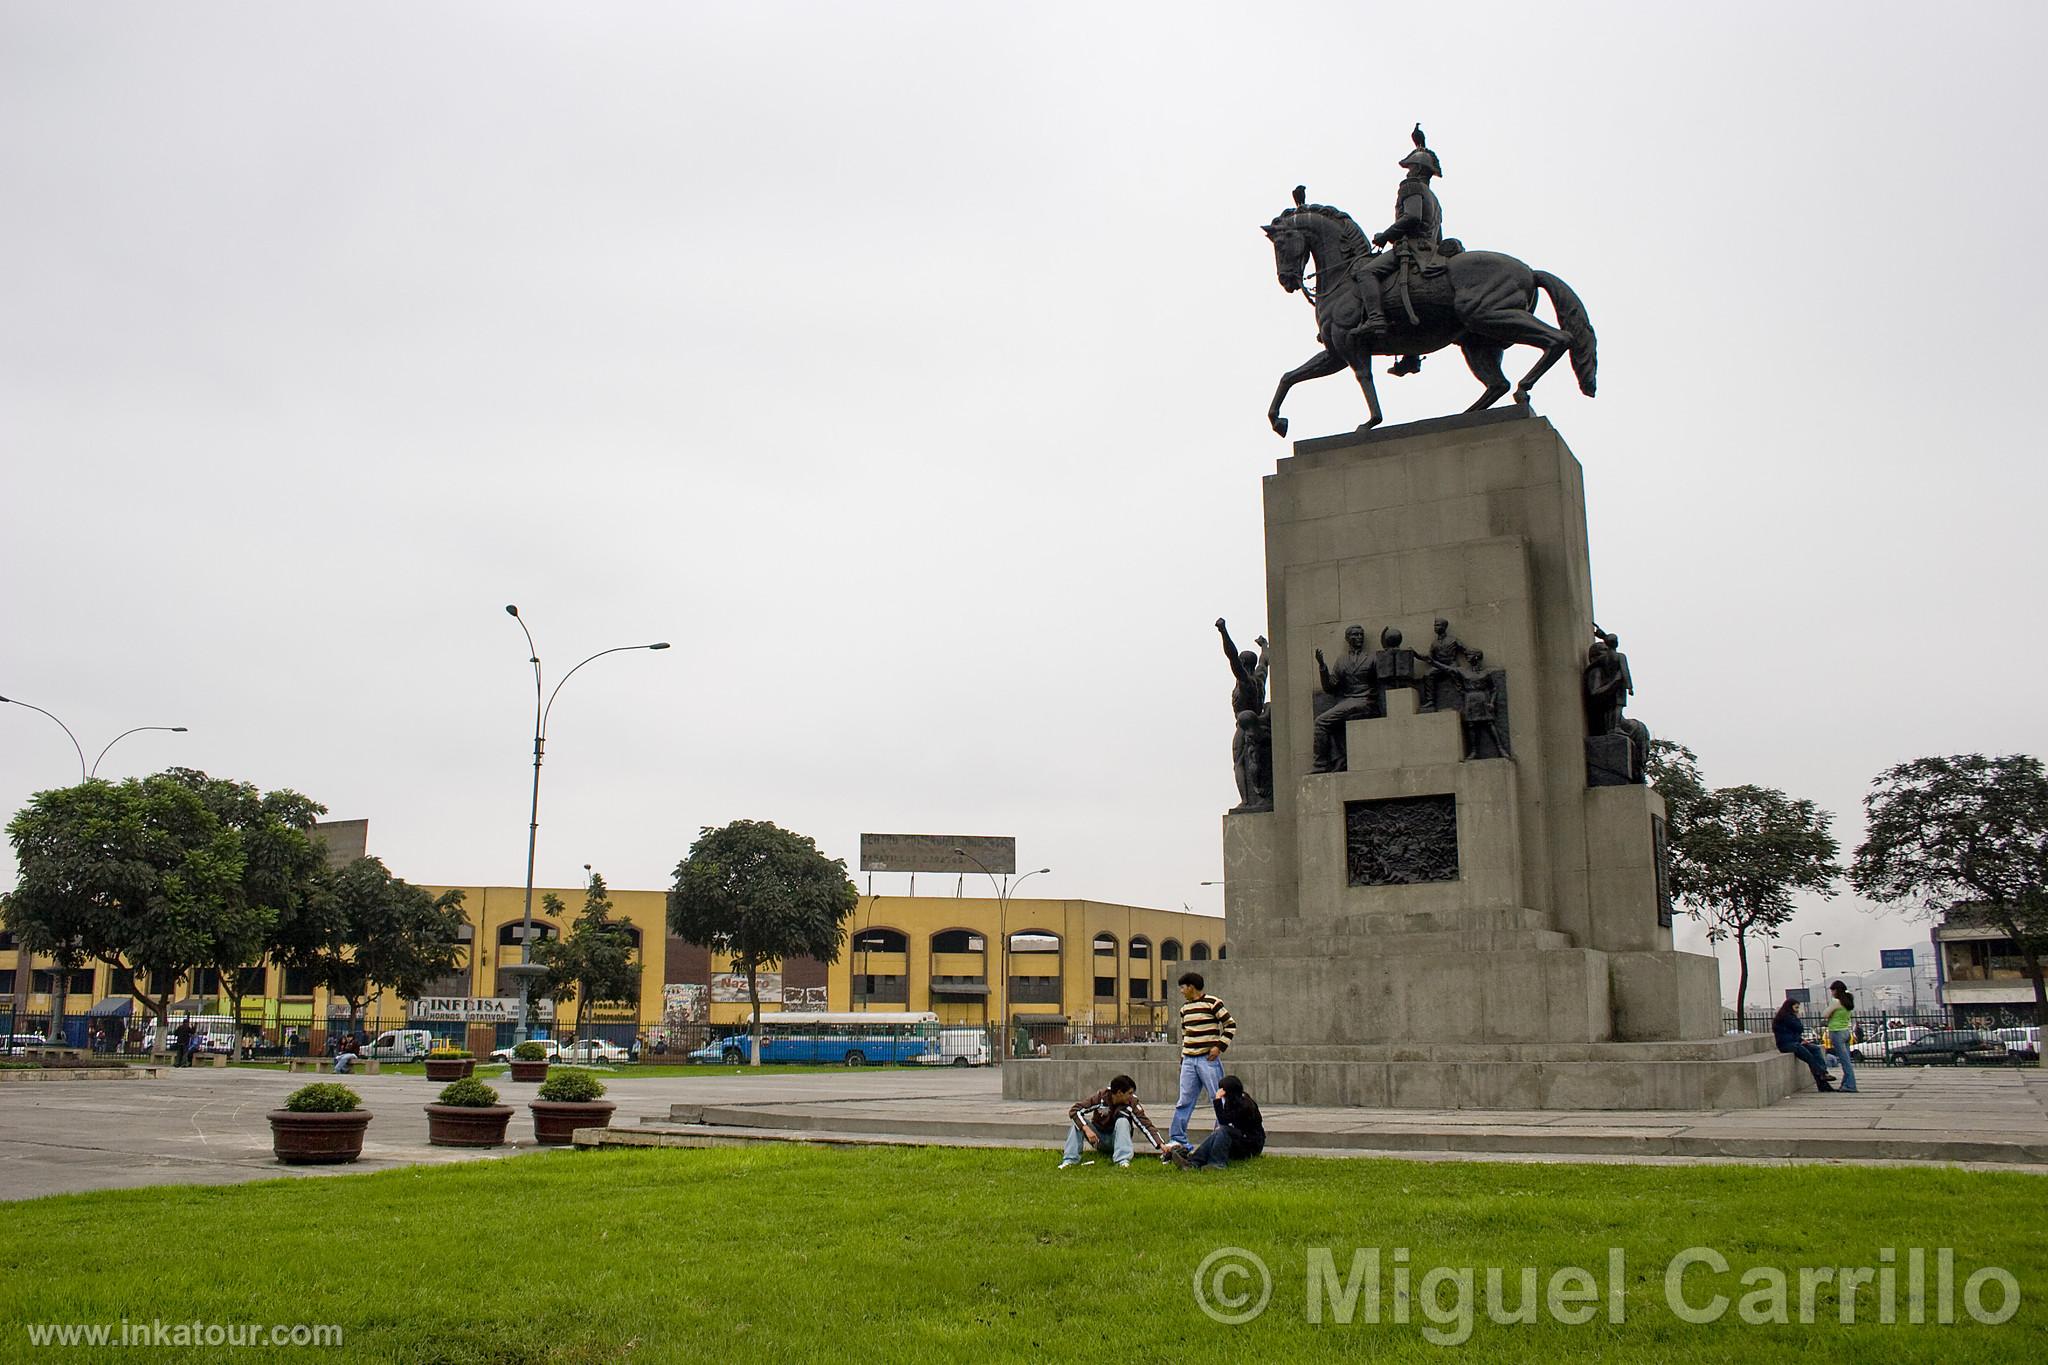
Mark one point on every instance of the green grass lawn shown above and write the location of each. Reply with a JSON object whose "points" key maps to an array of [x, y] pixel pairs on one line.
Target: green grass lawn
{"points": [[907, 1255]]}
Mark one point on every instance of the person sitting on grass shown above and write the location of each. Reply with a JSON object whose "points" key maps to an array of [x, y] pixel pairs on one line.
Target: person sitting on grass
{"points": [[1105, 1121], [1790, 1036], [1240, 1132]]}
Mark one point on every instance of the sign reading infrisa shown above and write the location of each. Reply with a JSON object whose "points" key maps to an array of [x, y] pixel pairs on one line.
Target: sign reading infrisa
{"points": [[991, 853]]}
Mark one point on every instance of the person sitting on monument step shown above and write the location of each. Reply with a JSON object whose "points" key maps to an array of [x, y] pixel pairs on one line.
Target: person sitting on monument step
{"points": [[1790, 1036], [1105, 1121]]}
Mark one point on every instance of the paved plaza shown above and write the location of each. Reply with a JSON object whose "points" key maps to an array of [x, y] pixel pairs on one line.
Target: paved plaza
{"points": [[207, 1127]]}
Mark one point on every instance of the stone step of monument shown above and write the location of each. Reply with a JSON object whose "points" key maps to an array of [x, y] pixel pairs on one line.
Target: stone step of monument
{"points": [[1272, 947], [1749, 1081], [1460, 920], [1731, 1046]]}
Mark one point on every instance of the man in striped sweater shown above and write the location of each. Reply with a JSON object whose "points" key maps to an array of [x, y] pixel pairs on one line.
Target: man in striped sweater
{"points": [[1206, 1029]]}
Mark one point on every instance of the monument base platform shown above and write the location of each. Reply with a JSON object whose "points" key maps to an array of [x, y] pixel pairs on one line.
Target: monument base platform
{"points": [[1740, 1071]]}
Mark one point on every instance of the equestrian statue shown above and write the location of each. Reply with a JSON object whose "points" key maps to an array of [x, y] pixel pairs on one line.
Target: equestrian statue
{"points": [[1410, 290]]}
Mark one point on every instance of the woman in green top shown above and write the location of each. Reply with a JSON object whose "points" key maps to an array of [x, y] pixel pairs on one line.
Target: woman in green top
{"points": [[1841, 1020]]}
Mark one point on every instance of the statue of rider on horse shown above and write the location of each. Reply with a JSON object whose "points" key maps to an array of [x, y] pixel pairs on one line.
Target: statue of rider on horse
{"points": [[1480, 301]]}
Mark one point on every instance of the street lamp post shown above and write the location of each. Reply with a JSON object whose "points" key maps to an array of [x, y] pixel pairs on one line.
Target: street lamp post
{"points": [[23, 967], [1004, 890], [526, 969], [1824, 962]]}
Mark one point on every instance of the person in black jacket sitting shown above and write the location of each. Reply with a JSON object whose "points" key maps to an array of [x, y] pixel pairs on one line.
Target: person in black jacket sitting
{"points": [[1240, 1132], [1790, 1035]]}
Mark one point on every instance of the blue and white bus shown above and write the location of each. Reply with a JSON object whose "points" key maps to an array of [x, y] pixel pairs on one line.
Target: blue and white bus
{"points": [[861, 1039]]}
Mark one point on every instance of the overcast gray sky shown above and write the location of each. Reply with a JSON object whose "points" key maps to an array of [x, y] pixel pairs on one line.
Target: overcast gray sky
{"points": [[906, 366]]}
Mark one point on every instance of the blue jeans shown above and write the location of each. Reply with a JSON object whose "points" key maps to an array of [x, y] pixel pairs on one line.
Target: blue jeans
{"points": [[1196, 1075], [1838, 1042], [342, 1062], [1214, 1151], [1809, 1054], [1115, 1144]]}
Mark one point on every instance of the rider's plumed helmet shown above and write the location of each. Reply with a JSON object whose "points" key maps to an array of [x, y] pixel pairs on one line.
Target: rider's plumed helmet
{"points": [[1421, 159]]}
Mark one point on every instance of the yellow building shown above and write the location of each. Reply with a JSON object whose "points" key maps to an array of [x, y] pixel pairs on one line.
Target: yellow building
{"points": [[1081, 962]]}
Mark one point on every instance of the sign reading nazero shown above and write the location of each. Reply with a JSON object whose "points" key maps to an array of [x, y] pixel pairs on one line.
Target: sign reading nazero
{"points": [[937, 853]]}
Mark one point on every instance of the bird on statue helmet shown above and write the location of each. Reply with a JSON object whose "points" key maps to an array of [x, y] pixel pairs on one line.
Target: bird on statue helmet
{"points": [[1421, 159]]}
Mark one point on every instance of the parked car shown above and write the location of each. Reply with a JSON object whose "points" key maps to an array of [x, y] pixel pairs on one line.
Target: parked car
{"points": [[504, 1054], [1879, 1046], [1951, 1047], [2022, 1044], [18, 1044], [592, 1050]]}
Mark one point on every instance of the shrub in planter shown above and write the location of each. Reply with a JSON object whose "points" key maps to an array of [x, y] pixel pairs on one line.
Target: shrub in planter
{"points": [[529, 1062], [449, 1064], [467, 1114], [566, 1101], [320, 1124]]}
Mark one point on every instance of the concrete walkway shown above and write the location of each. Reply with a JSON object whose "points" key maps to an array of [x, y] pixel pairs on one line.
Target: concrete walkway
{"points": [[207, 1126], [1995, 1119]]}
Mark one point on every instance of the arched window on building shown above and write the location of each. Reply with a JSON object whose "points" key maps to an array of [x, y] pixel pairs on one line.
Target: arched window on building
{"points": [[1222, 951], [881, 966], [1034, 967], [959, 966], [1199, 952], [1141, 970], [1105, 967]]}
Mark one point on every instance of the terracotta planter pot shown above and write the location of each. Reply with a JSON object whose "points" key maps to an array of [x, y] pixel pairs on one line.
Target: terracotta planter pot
{"points": [[529, 1071], [556, 1121], [451, 1125], [450, 1068], [317, 1139]]}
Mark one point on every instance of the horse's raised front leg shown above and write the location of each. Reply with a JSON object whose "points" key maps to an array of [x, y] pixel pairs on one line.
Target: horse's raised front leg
{"points": [[1362, 367], [1482, 357], [1316, 367]]}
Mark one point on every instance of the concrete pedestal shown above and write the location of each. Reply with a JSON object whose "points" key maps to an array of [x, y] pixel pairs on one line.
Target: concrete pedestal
{"points": [[1427, 929]]}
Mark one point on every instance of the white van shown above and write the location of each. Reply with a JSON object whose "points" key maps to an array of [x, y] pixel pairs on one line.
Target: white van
{"points": [[958, 1047], [400, 1045], [216, 1033]]}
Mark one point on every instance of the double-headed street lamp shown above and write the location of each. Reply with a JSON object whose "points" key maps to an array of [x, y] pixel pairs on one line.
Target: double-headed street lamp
{"points": [[1005, 888], [526, 969], [22, 970], [84, 773]]}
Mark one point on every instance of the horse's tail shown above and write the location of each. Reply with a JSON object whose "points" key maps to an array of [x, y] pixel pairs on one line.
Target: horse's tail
{"points": [[1571, 316]]}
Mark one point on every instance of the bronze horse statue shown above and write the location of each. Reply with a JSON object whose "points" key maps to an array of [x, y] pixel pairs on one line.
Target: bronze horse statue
{"points": [[1482, 301]]}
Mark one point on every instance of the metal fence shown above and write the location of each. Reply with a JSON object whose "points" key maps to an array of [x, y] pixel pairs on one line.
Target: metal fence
{"points": [[1871, 1026]]}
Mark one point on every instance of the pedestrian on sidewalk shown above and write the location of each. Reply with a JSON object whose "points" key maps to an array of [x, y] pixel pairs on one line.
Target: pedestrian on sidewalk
{"points": [[1106, 1121], [1240, 1132], [1206, 1029], [1790, 1035], [1841, 1022]]}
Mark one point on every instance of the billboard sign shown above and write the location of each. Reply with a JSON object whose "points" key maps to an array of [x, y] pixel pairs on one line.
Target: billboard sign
{"points": [[1895, 957], [1802, 995], [730, 988], [456, 1009], [936, 853]]}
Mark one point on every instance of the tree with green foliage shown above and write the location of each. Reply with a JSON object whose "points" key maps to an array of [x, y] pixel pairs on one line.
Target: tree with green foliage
{"points": [[375, 930], [159, 876], [594, 961], [1967, 836], [1748, 851], [758, 894], [284, 871]]}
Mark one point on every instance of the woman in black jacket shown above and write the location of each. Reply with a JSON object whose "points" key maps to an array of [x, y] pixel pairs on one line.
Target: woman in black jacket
{"points": [[1240, 1131]]}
